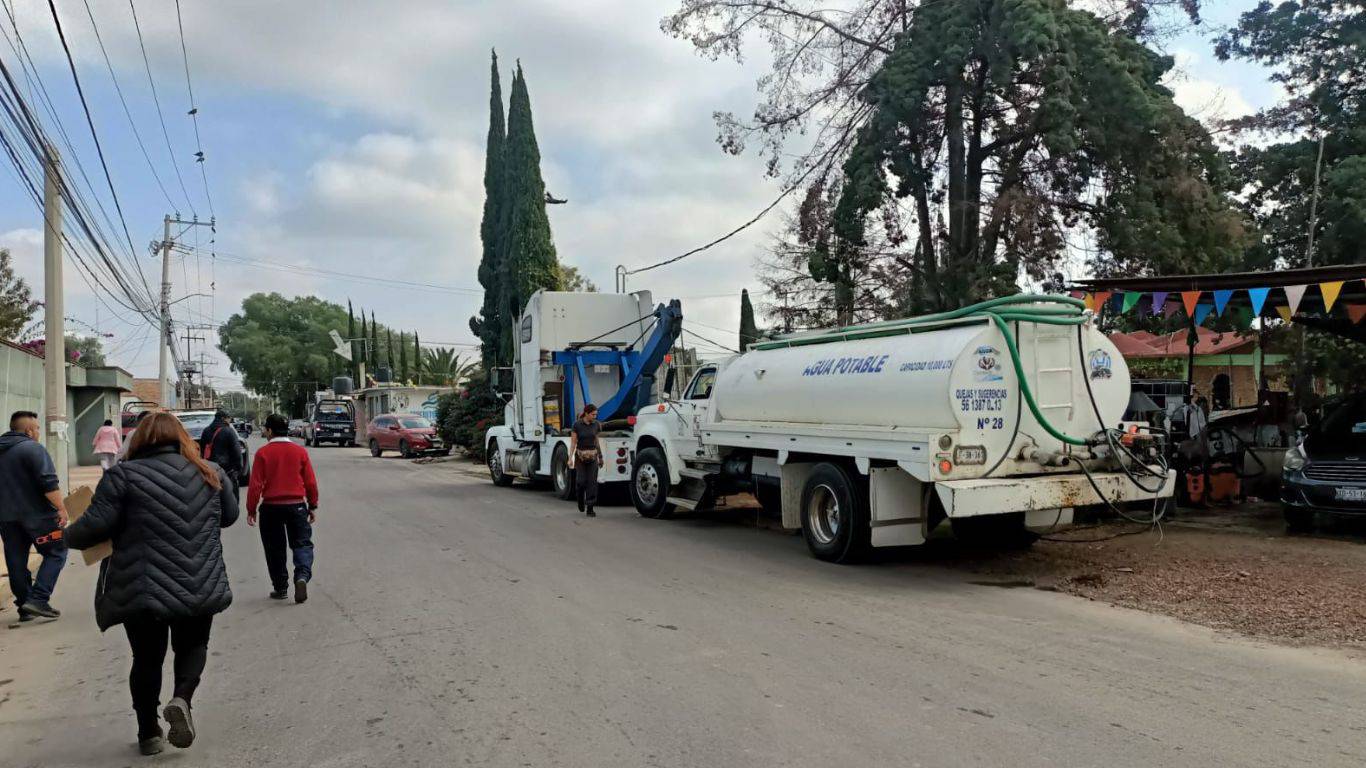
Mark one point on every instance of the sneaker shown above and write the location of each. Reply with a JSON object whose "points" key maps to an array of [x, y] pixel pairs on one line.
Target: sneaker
{"points": [[591, 513], [40, 609], [24, 615], [177, 714], [279, 594], [300, 590], [152, 745]]}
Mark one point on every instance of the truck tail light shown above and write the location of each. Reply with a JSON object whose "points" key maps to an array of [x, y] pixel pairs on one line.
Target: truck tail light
{"points": [[621, 451], [945, 467]]}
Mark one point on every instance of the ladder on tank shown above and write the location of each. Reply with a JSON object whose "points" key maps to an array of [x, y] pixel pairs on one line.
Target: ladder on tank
{"points": [[1054, 355]]}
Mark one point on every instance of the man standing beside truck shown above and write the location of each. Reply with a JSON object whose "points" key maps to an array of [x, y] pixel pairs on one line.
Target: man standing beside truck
{"points": [[585, 458]]}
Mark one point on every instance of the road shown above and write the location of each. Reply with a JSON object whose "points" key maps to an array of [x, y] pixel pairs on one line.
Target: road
{"points": [[455, 623]]}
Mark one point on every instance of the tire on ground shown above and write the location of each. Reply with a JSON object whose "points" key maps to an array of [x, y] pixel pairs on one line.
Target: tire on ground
{"points": [[494, 461], [561, 476], [651, 466], [375, 450], [838, 534]]}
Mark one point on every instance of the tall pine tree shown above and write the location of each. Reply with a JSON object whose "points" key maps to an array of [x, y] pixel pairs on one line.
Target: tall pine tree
{"points": [[365, 346], [389, 350], [528, 256], [350, 336], [402, 358], [374, 343], [417, 359], [492, 325], [749, 331]]}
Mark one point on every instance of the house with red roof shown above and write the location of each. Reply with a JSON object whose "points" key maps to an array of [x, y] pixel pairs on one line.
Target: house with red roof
{"points": [[1228, 365]]}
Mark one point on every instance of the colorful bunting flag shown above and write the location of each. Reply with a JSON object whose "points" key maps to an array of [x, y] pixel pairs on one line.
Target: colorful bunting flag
{"points": [[1221, 300], [1190, 299], [1090, 301], [1258, 296], [1102, 297], [1130, 299], [1159, 299], [1076, 293], [1330, 291], [1242, 317], [1285, 313], [1356, 312], [1293, 294], [1201, 312]]}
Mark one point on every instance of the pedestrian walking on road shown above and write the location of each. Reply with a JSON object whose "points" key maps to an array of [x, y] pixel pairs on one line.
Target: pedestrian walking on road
{"points": [[163, 509], [585, 458], [283, 498], [219, 443], [32, 516], [107, 444]]}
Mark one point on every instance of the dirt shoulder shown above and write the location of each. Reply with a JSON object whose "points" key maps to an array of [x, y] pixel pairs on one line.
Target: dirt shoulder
{"points": [[1309, 591]]}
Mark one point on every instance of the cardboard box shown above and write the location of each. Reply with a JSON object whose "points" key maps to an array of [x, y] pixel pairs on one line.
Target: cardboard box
{"points": [[76, 505]]}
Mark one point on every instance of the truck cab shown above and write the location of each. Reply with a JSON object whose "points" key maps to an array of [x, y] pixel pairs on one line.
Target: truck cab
{"points": [[572, 349]]}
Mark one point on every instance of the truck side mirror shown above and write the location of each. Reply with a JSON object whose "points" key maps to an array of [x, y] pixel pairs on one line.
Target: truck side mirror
{"points": [[670, 376]]}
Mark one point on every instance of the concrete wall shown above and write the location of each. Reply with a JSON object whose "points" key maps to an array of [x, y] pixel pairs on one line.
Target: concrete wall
{"points": [[92, 395], [21, 384]]}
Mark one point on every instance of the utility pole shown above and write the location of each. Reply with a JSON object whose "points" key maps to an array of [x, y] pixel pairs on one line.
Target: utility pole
{"points": [[167, 243], [54, 321]]}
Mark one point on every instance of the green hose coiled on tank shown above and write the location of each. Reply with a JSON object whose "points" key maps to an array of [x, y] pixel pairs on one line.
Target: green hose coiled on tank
{"points": [[1022, 308]]}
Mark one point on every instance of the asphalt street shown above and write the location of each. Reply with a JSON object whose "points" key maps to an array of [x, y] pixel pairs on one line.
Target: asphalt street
{"points": [[456, 623]]}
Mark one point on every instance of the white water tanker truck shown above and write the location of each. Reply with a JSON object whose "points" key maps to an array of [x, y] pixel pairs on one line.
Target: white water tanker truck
{"points": [[1001, 417]]}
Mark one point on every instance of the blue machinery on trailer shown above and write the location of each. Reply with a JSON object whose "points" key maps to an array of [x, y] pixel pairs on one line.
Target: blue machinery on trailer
{"points": [[636, 367]]}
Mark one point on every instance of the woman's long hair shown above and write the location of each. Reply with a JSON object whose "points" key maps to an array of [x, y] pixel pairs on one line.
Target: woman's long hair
{"points": [[163, 428]]}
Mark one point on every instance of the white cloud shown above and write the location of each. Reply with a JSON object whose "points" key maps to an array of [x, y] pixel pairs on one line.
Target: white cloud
{"points": [[1203, 98]]}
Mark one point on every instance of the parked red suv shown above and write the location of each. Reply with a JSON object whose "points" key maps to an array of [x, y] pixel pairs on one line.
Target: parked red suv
{"points": [[408, 433]]}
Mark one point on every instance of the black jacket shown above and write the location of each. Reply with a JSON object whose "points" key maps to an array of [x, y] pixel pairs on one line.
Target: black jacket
{"points": [[26, 473], [226, 449], [165, 522]]}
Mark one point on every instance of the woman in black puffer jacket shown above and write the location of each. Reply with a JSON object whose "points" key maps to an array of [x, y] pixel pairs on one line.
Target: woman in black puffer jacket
{"points": [[163, 509]]}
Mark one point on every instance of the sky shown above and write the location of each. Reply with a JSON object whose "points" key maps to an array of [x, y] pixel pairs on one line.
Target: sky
{"points": [[348, 137]]}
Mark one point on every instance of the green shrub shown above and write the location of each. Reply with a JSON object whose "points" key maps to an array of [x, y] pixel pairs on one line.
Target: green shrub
{"points": [[463, 416]]}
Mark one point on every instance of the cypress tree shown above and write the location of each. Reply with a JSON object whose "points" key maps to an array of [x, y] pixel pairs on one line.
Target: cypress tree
{"points": [[374, 342], [365, 346], [749, 331], [491, 325], [389, 350], [403, 357], [528, 262], [351, 334], [417, 359]]}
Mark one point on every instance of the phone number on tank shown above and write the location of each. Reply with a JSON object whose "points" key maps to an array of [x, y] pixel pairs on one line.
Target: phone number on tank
{"points": [[984, 399]]}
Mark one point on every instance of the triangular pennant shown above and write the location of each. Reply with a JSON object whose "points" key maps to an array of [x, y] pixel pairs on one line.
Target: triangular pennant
{"points": [[1356, 312], [1221, 300], [1258, 296], [1159, 299], [1171, 309], [1201, 312], [1293, 295], [1090, 301], [1076, 293], [1190, 298], [1285, 313], [1101, 298], [1242, 317], [1330, 291], [1130, 299]]}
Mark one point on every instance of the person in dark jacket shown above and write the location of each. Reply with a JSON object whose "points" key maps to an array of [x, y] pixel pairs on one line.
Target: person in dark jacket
{"points": [[220, 444], [32, 515], [163, 508], [585, 458]]}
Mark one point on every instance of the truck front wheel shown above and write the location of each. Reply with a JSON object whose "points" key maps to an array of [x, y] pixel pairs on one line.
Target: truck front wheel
{"points": [[495, 460], [835, 515], [560, 474], [650, 485]]}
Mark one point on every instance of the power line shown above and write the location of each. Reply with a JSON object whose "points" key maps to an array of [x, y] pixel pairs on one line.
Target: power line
{"points": [[147, 64], [314, 271], [91, 122], [709, 341], [194, 110], [126, 111]]}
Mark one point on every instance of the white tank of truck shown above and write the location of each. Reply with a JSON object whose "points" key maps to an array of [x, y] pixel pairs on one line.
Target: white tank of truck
{"points": [[872, 435], [953, 378]]}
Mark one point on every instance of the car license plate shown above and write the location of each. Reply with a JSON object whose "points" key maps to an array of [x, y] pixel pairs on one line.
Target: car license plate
{"points": [[1351, 494]]}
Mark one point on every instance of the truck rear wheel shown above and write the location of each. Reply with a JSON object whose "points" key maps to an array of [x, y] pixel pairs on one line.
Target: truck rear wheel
{"points": [[561, 476], [495, 463], [835, 515], [650, 485]]}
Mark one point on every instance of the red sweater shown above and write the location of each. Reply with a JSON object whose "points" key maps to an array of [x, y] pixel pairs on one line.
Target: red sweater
{"points": [[282, 474]]}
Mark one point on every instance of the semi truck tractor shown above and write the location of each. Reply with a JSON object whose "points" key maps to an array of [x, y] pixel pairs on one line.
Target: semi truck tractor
{"points": [[1002, 417], [572, 349]]}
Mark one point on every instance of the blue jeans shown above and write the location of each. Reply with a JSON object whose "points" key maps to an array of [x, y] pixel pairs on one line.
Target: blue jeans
{"points": [[19, 538], [281, 525]]}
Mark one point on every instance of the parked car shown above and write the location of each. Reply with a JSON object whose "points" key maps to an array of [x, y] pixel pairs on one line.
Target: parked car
{"points": [[408, 433], [195, 421], [243, 427], [296, 427], [1327, 471], [128, 418], [334, 421]]}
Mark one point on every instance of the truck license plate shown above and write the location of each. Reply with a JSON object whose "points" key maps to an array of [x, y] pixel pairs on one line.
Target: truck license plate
{"points": [[1351, 494]]}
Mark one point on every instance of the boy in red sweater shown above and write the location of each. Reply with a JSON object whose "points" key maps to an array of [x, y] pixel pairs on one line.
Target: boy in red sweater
{"points": [[285, 492]]}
